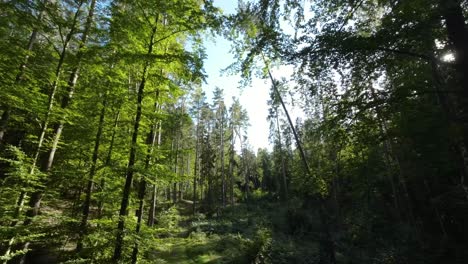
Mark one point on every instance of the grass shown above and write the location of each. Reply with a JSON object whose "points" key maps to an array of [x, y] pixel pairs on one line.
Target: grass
{"points": [[254, 232], [257, 231]]}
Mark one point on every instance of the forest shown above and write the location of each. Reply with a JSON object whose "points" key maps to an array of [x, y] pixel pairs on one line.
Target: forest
{"points": [[111, 150]]}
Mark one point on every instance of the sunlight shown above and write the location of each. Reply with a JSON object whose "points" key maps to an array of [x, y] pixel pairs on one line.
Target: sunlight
{"points": [[448, 57]]}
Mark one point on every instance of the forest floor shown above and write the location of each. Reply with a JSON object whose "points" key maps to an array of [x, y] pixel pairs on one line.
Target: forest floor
{"points": [[260, 230], [256, 231]]}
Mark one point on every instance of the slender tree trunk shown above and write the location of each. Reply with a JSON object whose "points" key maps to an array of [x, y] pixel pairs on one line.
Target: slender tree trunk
{"points": [[245, 172], [22, 68], [181, 189], [108, 161], [152, 211], [92, 173], [223, 176], [176, 160], [66, 100], [174, 192], [201, 185], [132, 156], [187, 183], [141, 198], [168, 193], [151, 140], [327, 255], [231, 165], [436, 211], [387, 155], [197, 149], [284, 189], [181, 174], [195, 177], [35, 198]]}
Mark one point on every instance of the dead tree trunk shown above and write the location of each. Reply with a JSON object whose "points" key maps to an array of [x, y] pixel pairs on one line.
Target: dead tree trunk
{"points": [[327, 255]]}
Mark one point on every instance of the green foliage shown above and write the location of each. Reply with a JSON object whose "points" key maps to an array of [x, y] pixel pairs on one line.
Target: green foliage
{"points": [[80, 69], [91, 94], [19, 174], [169, 218], [383, 127]]}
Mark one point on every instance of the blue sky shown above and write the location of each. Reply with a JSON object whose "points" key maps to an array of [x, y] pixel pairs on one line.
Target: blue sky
{"points": [[253, 98]]}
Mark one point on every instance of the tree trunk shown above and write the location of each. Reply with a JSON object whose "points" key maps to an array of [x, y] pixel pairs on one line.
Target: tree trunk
{"points": [[66, 100], [132, 157], [181, 174], [174, 193], [223, 177], [32, 40], [35, 199], [181, 189], [327, 255], [452, 12], [108, 161], [92, 173], [457, 33], [195, 169], [245, 172], [231, 166], [152, 211], [151, 140], [284, 189], [168, 193], [174, 184], [141, 198]]}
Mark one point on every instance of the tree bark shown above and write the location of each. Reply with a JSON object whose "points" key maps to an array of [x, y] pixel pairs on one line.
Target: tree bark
{"points": [[197, 150], [284, 189], [452, 12], [66, 100], [36, 197], [223, 177], [231, 165], [132, 156], [92, 173], [245, 163], [32, 40], [151, 140], [457, 33], [327, 255], [152, 211], [108, 161], [176, 157]]}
